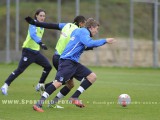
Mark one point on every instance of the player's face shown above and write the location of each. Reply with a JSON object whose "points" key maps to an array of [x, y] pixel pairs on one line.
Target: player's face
{"points": [[94, 30], [41, 16]]}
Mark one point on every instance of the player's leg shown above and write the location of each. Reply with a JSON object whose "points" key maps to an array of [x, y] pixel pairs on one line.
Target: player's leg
{"points": [[42, 61], [90, 79], [69, 84], [63, 92], [65, 72], [49, 90], [55, 62], [25, 61]]}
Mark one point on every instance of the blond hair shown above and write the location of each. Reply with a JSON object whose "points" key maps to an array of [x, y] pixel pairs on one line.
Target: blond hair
{"points": [[91, 23]]}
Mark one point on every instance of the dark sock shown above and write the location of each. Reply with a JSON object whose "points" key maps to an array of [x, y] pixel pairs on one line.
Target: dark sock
{"points": [[55, 100], [76, 94], [65, 90], [85, 84], [50, 89], [48, 84], [40, 102]]}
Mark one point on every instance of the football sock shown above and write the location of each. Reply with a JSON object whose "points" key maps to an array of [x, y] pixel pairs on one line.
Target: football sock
{"points": [[55, 100], [63, 92], [50, 89], [48, 84], [41, 101], [5, 85], [84, 85]]}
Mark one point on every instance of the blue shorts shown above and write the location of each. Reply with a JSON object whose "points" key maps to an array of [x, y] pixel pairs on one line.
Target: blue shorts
{"points": [[68, 69]]}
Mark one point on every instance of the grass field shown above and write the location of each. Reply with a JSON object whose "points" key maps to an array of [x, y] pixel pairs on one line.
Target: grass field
{"points": [[142, 84]]}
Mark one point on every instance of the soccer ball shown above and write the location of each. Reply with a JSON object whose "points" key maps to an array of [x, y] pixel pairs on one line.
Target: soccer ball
{"points": [[124, 100]]}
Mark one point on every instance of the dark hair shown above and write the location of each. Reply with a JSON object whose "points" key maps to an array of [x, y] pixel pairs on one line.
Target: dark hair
{"points": [[79, 19], [37, 12], [91, 22]]}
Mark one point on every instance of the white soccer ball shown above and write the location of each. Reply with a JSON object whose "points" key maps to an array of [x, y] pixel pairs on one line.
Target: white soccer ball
{"points": [[124, 100]]}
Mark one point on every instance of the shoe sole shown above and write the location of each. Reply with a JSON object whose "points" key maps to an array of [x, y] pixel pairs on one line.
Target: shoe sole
{"points": [[55, 107], [37, 109], [76, 102]]}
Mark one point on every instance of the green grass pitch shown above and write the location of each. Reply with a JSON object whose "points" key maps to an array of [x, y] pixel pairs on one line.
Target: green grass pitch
{"points": [[142, 84]]}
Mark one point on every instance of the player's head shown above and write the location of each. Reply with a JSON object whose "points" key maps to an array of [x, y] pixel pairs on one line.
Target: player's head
{"points": [[92, 25], [80, 21], [40, 15]]}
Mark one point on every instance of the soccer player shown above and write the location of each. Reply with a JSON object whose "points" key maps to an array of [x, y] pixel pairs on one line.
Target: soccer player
{"points": [[66, 30], [31, 53], [69, 65]]}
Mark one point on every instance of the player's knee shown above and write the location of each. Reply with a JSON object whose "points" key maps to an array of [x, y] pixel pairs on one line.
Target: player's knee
{"points": [[57, 84], [49, 67], [92, 77], [19, 71]]}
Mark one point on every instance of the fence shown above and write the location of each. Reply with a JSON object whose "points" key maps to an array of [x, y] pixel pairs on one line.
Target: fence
{"points": [[114, 17]]}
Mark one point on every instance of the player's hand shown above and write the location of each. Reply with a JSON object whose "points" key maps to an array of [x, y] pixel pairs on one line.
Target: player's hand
{"points": [[110, 40], [30, 20], [43, 46]]}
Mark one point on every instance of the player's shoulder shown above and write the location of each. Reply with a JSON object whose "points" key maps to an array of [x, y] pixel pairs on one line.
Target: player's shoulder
{"points": [[62, 25], [32, 27], [83, 30], [71, 26], [80, 29]]}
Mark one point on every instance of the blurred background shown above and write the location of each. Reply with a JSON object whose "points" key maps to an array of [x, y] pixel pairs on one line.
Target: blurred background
{"points": [[133, 23]]}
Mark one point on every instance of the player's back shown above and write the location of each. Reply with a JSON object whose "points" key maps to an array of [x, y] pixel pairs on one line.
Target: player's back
{"points": [[65, 37], [75, 47]]}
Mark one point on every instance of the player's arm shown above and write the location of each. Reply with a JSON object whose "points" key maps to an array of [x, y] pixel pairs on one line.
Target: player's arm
{"points": [[56, 26], [89, 42], [33, 34], [32, 31]]}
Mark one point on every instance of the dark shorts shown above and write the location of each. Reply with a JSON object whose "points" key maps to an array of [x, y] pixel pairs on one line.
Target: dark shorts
{"points": [[68, 69]]}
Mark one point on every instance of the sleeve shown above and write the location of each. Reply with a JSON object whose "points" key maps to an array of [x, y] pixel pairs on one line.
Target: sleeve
{"points": [[48, 25], [89, 42], [61, 25], [33, 33]]}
